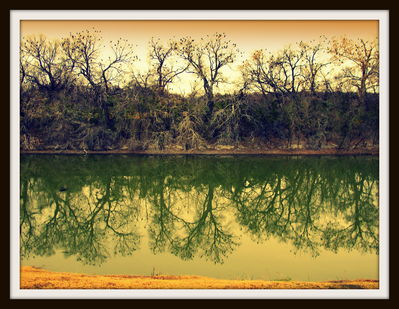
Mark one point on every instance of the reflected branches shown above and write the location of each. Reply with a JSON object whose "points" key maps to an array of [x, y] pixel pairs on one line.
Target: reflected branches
{"points": [[195, 206]]}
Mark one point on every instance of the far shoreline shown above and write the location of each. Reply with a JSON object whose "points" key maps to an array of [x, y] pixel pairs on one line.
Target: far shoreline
{"points": [[284, 152]]}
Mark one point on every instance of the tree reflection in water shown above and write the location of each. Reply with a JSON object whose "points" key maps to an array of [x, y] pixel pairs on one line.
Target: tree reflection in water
{"points": [[94, 206]]}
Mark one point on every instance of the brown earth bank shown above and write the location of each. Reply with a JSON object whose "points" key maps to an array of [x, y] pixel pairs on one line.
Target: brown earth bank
{"points": [[215, 151], [37, 278]]}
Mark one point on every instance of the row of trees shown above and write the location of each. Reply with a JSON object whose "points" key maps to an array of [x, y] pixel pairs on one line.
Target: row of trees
{"points": [[315, 93]]}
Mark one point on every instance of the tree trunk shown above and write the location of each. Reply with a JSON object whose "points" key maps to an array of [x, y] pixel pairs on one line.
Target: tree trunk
{"points": [[211, 103]]}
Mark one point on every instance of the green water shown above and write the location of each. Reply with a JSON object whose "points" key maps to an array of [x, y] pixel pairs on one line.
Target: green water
{"points": [[244, 217]]}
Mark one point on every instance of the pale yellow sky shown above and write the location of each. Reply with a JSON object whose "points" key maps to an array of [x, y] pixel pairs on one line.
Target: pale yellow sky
{"points": [[248, 35]]}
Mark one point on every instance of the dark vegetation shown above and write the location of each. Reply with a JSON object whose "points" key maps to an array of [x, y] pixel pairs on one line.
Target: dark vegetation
{"points": [[310, 95]]}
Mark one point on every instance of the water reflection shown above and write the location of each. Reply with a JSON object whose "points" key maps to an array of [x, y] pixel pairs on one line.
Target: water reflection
{"points": [[95, 206]]}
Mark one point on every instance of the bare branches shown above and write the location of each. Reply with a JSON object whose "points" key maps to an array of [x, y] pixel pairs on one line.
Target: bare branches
{"points": [[122, 54], [43, 64], [78, 92], [265, 73], [164, 65], [312, 67], [280, 73], [83, 51], [360, 59], [207, 58]]}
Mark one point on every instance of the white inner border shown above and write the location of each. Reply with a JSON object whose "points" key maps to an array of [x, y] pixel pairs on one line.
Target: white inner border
{"points": [[17, 15]]}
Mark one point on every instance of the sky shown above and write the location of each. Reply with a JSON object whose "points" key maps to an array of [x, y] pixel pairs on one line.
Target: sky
{"points": [[249, 35]]}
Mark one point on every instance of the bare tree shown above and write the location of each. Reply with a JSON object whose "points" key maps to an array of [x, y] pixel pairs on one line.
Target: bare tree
{"points": [[311, 69], [122, 54], [83, 49], [43, 64], [280, 73], [261, 72], [142, 79], [207, 58], [163, 65], [289, 63], [360, 61]]}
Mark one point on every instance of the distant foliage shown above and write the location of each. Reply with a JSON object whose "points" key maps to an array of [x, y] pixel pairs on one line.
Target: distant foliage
{"points": [[311, 95]]}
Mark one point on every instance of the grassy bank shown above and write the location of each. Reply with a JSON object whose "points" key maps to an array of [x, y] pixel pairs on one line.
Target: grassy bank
{"points": [[36, 278]]}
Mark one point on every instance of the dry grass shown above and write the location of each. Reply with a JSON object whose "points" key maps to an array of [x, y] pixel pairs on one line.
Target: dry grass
{"points": [[36, 278]]}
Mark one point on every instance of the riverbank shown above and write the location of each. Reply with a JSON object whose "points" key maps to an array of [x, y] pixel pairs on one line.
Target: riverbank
{"points": [[221, 151], [37, 278]]}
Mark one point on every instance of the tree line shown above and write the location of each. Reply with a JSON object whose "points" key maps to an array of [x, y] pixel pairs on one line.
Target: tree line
{"points": [[310, 94]]}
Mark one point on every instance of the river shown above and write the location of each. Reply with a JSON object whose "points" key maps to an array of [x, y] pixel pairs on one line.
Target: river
{"points": [[308, 218]]}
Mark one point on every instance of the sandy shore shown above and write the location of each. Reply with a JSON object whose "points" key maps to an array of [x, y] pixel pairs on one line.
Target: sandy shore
{"points": [[37, 278]]}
